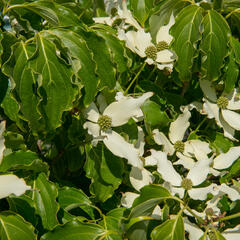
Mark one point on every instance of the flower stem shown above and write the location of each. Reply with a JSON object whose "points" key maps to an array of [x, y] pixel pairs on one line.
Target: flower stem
{"points": [[229, 217], [134, 79]]}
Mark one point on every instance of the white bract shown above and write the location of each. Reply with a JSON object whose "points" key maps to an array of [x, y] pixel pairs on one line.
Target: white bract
{"points": [[11, 184], [222, 108], [185, 151], [178, 185], [141, 43], [116, 114]]}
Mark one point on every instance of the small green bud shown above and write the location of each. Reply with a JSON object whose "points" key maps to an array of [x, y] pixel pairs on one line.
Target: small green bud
{"points": [[104, 122], [209, 212], [151, 52]]}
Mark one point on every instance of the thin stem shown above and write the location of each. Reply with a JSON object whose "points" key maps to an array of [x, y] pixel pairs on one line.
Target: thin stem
{"points": [[151, 73], [134, 79], [185, 87], [229, 217], [200, 124]]}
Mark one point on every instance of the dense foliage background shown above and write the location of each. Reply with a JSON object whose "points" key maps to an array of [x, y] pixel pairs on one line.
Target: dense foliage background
{"points": [[155, 69]]}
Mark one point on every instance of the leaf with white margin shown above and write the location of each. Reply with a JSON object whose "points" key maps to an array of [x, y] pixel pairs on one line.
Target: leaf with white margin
{"points": [[121, 148], [225, 160], [179, 126], [12, 184], [125, 108], [2, 140]]}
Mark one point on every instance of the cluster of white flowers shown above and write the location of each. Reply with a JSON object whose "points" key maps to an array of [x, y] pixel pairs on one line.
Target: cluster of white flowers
{"points": [[198, 159], [141, 42]]}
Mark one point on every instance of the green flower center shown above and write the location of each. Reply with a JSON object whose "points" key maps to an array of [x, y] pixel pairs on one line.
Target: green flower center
{"points": [[212, 236], [187, 184], [151, 52], [222, 102], [162, 46], [209, 212], [179, 146], [104, 122]]}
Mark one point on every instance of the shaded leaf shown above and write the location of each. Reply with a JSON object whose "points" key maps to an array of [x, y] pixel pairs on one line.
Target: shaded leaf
{"points": [[45, 201], [75, 230]]}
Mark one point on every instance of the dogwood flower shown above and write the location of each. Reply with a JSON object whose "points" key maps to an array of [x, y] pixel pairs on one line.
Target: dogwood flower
{"points": [[222, 161], [11, 184], [222, 108], [175, 183], [141, 43], [184, 150], [113, 115]]}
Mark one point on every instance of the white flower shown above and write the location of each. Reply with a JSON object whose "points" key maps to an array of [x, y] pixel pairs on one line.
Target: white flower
{"points": [[222, 108], [175, 183], [141, 43], [184, 150], [115, 114], [11, 184]]}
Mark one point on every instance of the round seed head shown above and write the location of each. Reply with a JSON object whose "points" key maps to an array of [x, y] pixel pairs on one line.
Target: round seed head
{"points": [[179, 146], [162, 46], [104, 122], [151, 52], [187, 184], [209, 212], [222, 102]]}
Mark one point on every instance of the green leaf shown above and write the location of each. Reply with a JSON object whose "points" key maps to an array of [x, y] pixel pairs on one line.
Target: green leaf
{"points": [[24, 206], [162, 13], [119, 56], [186, 33], [23, 160], [153, 115], [85, 66], [105, 171], [172, 229], [42, 8], [56, 88], [13, 226], [231, 75], [70, 198], [102, 57], [75, 230], [221, 143], [214, 43], [235, 44], [45, 201], [232, 173], [141, 9]]}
